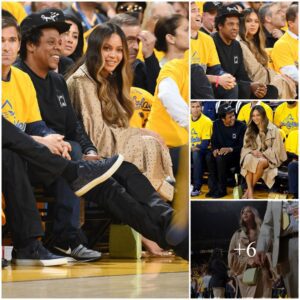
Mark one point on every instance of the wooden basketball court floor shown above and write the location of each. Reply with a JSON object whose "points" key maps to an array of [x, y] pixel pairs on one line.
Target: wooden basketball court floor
{"points": [[258, 194], [107, 278]]}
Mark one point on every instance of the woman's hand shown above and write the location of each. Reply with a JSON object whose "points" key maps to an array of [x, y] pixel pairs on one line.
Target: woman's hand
{"points": [[257, 153]]}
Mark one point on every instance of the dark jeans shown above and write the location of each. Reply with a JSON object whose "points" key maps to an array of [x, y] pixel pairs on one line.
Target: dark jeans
{"points": [[128, 196], [221, 93], [198, 162], [293, 177], [218, 170]]}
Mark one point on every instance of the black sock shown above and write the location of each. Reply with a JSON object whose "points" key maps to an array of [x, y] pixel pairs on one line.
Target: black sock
{"points": [[71, 171]]}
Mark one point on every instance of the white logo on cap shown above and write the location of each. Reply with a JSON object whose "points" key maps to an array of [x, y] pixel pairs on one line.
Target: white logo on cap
{"points": [[51, 18], [232, 8]]}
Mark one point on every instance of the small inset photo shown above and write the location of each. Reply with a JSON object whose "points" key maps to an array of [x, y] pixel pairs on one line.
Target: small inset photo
{"points": [[244, 149], [244, 249]]}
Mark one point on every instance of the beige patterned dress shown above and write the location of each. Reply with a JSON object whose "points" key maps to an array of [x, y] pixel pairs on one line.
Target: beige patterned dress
{"points": [[151, 158]]}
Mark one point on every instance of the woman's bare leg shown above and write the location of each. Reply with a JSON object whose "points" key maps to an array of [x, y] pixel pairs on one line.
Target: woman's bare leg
{"points": [[263, 164], [249, 193]]}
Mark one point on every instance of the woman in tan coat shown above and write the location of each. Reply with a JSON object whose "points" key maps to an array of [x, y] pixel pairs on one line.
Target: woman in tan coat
{"points": [[252, 41], [246, 236], [99, 89], [263, 151]]}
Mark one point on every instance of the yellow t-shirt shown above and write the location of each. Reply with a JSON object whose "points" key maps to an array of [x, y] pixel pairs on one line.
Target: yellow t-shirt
{"points": [[159, 54], [244, 114], [291, 143], [201, 129], [16, 9], [159, 119], [203, 51], [286, 118], [143, 101], [285, 52], [19, 102], [200, 6]]}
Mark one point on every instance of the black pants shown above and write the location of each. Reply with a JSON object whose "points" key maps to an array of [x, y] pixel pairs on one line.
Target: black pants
{"points": [[218, 170], [128, 196], [245, 91]]}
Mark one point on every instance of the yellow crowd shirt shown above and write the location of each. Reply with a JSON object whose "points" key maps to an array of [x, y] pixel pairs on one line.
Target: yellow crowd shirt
{"points": [[285, 52], [203, 51], [244, 114], [286, 118], [143, 102], [19, 102], [201, 129], [159, 119], [16, 9], [291, 143]]}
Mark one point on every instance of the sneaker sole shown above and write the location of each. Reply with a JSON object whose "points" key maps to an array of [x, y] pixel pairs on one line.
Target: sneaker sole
{"points": [[101, 178], [41, 262]]}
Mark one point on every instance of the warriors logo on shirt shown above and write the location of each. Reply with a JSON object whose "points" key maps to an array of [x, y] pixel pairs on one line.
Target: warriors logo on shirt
{"points": [[9, 114]]}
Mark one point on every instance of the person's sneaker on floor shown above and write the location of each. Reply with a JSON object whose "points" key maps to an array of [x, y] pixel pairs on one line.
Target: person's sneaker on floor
{"points": [[35, 254], [76, 252], [4, 263], [92, 173], [195, 192]]}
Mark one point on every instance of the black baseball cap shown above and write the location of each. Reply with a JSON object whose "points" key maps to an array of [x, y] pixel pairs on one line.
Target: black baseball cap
{"points": [[228, 10], [47, 18], [211, 6], [225, 109]]}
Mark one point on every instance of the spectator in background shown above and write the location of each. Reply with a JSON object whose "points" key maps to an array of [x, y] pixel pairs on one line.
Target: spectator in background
{"points": [[72, 40], [255, 5], [291, 146], [153, 12], [245, 111], [172, 37], [231, 55], [263, 151], [181, 8], [16, 9], [285, 52], [201, 130], [286, 116], [252, 41], [87, 13], [145, 73], [203, 52], [218, 270], [226, 143], [208, 17], [273, 19], [136, 9]]}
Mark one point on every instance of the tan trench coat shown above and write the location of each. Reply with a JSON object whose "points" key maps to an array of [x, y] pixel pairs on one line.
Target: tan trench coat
{"points": [[275, 154], [238, 264], [257, 72], [151, 158]]}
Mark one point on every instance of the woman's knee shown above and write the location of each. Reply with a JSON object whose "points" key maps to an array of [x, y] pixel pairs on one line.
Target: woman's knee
{"points": [[263, 163]]}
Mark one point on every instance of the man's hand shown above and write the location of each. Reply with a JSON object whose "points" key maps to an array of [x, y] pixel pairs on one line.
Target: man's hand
{"points": [[194, 149], [66, 149], [258, 89], [260, 258], [148, 42], [52, 141], [215, 152], [277, 33], [225, 150], [227, 81]]}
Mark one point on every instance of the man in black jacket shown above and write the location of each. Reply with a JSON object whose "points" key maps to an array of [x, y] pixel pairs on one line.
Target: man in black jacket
{"points": [[145, 73], [231, 55], [39, 52], [226, 144]]}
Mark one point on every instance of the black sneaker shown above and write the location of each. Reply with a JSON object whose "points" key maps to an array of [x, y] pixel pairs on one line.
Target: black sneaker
{"points": [[36, 254], [92, 173], [78, 253], [4, 263]]}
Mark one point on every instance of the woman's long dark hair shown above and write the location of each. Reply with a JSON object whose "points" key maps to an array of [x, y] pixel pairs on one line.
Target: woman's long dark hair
{"points": [[113, 91], [77, 54], [253, 130], [258, 43]]}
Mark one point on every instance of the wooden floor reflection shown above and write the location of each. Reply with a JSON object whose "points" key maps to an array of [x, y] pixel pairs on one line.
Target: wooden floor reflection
{"points": [[108, 278]]}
